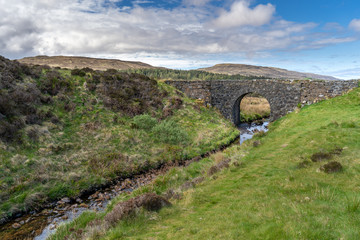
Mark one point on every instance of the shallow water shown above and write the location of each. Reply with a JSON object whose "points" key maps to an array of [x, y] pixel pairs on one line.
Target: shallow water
{"points": [[247, 130]]}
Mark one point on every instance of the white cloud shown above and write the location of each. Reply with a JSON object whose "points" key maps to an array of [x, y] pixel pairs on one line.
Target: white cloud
{"points": [[350, 73], [195, 2], [333, 26], [334, 41], [317, 44], [355, 24], [241, 14], [99, 27]]}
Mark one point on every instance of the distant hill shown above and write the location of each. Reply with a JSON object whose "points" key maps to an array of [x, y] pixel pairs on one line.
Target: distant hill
{"points": [[82, 62], [271, 72], [225, 68]]}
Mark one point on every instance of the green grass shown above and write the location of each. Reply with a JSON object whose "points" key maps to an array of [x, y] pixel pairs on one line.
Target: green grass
{"points": [[268, 196], [249, 118], [93, 144]]}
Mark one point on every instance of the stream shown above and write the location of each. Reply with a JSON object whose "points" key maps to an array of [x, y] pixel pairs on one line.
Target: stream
{"points": [[40, 225], [247, 130]]}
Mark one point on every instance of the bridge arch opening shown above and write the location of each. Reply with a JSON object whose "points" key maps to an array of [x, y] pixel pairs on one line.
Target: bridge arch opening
{"points": [[251, 107]]}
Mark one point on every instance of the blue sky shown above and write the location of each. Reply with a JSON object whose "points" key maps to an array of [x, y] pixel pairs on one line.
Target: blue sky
{"points": [[319, 36]]}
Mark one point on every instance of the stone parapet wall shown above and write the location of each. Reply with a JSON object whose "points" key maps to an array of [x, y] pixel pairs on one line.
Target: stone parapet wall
{"points": [[314, 91], [283, 95]]}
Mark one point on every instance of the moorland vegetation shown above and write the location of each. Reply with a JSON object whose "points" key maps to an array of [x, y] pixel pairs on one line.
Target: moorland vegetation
{"points": [[65, 131]]}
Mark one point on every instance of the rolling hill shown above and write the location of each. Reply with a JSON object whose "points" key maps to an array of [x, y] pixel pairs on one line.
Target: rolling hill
{"points": [[271, 72], [73, 62], [82, 62]]}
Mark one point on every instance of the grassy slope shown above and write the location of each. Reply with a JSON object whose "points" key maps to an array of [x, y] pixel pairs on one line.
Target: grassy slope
{"points": [[268, 196], [93, 144]]}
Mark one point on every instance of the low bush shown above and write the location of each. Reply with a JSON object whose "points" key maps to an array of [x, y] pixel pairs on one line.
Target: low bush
{"points": [[53, 83], [144, 121], [132, 94], [170, 132], [78, 72]]}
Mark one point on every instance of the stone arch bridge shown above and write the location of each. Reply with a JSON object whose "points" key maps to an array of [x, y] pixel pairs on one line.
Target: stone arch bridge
{"points": [[282, 95]]}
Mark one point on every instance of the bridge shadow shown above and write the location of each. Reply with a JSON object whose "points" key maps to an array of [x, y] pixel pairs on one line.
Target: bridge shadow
{"points": [[251, 107]]}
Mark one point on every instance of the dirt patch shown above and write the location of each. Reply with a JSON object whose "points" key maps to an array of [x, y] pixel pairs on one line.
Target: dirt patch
{"points": [[323, 156], [149, 201], [152, 202], [214, 169], [304, 164], [332, 167]]}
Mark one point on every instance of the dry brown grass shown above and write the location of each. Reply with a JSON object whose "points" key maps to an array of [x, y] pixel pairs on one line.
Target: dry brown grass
{"points": [[149, 201], [268, 72], [218, 157], [255, 105], [82, 62]]}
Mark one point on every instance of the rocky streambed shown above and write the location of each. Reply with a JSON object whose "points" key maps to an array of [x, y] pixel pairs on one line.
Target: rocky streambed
{"points": [[39, 225]]}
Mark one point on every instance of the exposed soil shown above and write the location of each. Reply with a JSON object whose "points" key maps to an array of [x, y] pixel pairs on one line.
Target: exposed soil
{"points": [[332, 167], [322, 155]]}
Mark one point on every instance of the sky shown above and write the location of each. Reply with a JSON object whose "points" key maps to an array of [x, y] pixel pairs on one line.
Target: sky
{"points": [[317, 36]]}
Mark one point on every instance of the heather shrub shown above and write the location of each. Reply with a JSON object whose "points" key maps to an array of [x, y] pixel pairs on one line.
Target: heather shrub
{"points": [[132, 94], [53, 83], [9, 129], [78, 72], [18, 100]]}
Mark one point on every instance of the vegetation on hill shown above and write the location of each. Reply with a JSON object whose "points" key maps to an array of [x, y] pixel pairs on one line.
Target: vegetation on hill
{"points": [[160, 73], [219, 71], [73, 62], [300, 180], [65, 131], [259, 71]]}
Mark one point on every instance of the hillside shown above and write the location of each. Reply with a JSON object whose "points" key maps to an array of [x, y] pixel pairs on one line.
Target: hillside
{"points": [[63, 132], [300, 180], [270, 72], [219, 71], [83, 62]]}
